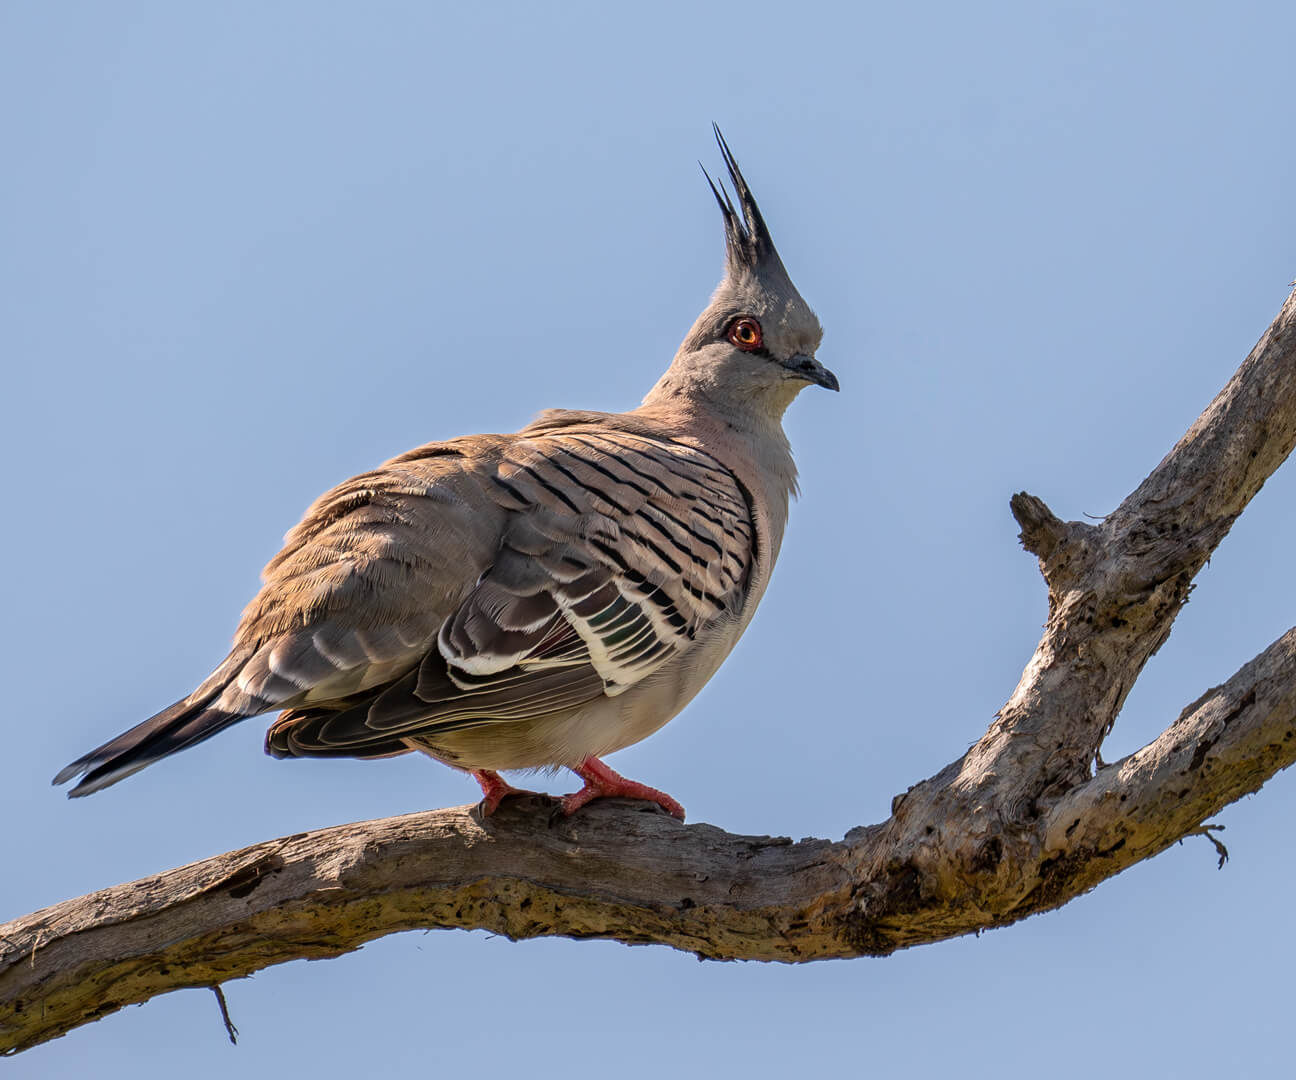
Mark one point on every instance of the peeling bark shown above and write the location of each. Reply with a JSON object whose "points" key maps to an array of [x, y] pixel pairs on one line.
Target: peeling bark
{"points": [[1026, 820]]}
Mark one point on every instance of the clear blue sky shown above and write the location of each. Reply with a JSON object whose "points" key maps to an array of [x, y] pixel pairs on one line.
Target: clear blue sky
{"points": [[251, 249]]}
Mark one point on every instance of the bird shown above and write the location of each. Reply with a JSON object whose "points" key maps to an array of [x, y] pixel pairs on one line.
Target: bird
{"points": [[536, 600]]}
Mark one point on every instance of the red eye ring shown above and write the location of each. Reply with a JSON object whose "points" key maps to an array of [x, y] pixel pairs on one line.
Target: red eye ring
{"points": [[745, 334]]}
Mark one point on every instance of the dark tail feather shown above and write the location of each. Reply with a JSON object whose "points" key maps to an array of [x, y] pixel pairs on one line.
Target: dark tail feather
{"points": [[184, 724]]}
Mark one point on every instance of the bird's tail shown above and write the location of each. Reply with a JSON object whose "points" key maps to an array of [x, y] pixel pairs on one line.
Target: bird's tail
{"points": [[186, 723]]}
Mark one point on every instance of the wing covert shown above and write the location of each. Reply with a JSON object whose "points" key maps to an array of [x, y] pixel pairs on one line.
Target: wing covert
{"points": [[635, 544]]}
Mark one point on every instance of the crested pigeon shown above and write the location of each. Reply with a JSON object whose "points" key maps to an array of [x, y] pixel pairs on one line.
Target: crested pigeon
{"points": [[534, 600]]}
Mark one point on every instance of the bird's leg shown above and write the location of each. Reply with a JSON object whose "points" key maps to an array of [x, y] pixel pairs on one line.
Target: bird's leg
{"points": [[494, 790], [601, 782]]}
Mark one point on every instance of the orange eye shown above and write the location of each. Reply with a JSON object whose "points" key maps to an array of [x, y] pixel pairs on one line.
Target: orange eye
{"points": [[745, 334]]}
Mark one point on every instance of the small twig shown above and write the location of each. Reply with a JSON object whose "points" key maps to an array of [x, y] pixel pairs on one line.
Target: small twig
{"points": [[230, 1029], [1208, 831]]}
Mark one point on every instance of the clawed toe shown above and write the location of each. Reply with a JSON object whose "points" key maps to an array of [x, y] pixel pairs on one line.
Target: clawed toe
{"points": [[495, 789], [602, 782]]}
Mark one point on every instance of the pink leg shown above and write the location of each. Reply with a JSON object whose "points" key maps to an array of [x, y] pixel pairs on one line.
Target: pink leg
{"points": [[494, 790], [601, 782]]}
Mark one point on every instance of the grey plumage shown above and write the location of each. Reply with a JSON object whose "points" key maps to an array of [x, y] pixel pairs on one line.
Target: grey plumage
{"points": [[537, 599]]}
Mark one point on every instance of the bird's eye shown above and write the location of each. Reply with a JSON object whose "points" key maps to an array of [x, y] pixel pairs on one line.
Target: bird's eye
{"points": [[745, 334]]}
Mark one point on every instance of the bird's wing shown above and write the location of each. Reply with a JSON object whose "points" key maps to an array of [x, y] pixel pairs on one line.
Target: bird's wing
{"points": [[618, 549]]}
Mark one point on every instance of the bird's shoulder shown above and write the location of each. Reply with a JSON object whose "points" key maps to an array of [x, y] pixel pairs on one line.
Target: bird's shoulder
{"points": [[635, 438], [430, 481]]}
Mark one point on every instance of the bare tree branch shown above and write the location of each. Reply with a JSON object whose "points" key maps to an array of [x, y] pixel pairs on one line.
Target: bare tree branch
{"points": [[1021, 823]]}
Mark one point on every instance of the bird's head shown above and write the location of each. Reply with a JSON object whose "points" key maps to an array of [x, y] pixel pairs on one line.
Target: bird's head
{"points": [[753, 348]]}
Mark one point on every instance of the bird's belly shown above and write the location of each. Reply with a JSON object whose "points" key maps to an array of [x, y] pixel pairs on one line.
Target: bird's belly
{"points": [[564, 739]]}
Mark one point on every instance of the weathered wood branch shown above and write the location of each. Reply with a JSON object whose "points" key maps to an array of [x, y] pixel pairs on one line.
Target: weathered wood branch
{"points": [[1023, 822]]}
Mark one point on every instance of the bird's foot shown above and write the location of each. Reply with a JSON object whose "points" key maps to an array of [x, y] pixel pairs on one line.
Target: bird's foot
{"points": [[495, 789], [602, 782]]}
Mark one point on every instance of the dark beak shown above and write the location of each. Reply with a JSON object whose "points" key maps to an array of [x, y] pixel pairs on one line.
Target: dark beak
{"points": [[808, 368]]}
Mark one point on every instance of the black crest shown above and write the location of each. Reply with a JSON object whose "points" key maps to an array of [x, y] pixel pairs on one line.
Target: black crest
{"points": [[747, 240]]}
